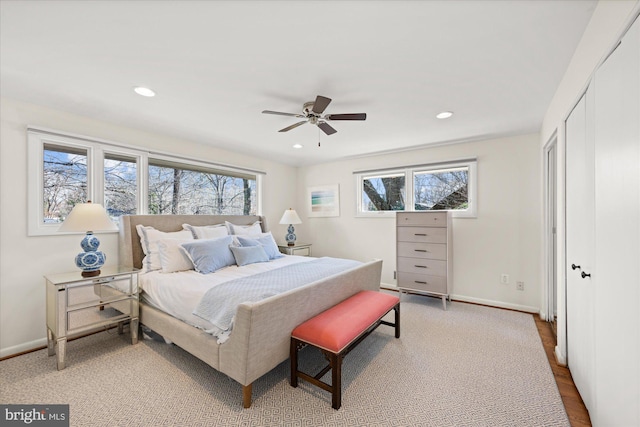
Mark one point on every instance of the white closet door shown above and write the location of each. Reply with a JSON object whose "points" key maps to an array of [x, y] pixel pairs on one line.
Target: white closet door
{"points": [[617, 245], [580, 237]]}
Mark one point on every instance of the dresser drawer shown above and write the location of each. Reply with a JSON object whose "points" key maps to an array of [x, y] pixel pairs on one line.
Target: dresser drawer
{"points": [[422, 266], [422, 250], [429, 219], [422, 282], [422, 234]]}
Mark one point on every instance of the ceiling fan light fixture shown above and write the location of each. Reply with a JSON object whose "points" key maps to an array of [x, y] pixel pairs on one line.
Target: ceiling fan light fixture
{"points": [[444, 114], [144, 91]]}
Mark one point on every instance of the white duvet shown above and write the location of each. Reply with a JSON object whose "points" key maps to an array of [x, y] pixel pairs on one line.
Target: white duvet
{"points": [[179, 293]]}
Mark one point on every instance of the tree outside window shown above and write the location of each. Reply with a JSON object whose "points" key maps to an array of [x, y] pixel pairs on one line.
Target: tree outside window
{"points": [[445, 189], [177, 189], [64, 181], [383, 192], [120, 185]]}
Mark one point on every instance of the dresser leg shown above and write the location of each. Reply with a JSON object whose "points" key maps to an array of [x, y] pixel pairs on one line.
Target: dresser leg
{"points": [[62, 349], [51, 344], [444, 302]]}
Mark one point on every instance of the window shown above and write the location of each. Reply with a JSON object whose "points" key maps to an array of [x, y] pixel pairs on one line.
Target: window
{"points": [[383, 192], [177, 188], [64, 170], [441, 189], [439, 186], [64, 173], [120, 185]]}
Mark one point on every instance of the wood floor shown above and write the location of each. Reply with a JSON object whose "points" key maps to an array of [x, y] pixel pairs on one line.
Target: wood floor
{"points": [[577, 412]]}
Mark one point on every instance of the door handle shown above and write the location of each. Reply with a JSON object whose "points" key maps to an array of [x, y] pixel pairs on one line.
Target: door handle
{"points": [[573, 267], [585, 275]]}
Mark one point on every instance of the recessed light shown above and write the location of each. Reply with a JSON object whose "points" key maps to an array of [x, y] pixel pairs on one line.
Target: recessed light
{"points": [[144, 91], [297, 146], [444, 115]]}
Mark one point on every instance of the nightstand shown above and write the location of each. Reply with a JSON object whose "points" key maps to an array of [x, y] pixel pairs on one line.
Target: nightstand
{"points": [[301, 249], [77, 305]]}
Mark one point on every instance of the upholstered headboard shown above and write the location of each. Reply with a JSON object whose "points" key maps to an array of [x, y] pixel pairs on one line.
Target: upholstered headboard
{"points": [[130, 251]]}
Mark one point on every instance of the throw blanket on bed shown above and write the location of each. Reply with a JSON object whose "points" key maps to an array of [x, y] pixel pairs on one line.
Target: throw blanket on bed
{"points": [[219, 304]]}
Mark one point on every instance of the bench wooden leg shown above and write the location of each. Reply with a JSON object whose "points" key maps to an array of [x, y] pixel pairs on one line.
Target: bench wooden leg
{"points": [[293, 356], [397, 313], [336, 383], [246, 395]]}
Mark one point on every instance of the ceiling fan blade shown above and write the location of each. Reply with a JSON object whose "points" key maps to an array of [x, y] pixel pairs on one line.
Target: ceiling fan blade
{"points": [[278, 113], [355, 116], [326, 128], [295, 125], [320, 104]]}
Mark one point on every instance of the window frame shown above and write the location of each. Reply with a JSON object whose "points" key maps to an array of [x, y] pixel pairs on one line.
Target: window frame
{"points": [[409, 173], [96, 150]]}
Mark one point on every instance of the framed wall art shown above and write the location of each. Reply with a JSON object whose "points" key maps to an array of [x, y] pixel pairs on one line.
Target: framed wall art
{"points": [[324, 200]]}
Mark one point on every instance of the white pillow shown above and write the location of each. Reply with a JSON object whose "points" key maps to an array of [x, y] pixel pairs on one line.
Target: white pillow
{"points": [[149, 237], [253, 230], [207, 231], [172, 256]]}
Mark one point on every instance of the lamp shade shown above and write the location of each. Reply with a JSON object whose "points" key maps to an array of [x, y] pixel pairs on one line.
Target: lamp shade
{"points": [[290, 217], [88, 217]]}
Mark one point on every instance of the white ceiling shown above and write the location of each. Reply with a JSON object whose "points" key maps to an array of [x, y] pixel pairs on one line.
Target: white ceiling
{"points": [[215, 65]]}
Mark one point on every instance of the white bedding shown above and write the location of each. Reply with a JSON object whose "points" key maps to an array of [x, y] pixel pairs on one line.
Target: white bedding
{"points": [[179, 293]]}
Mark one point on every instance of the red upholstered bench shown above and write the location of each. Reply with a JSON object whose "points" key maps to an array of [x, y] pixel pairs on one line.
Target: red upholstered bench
{"points": [[337, 331]]}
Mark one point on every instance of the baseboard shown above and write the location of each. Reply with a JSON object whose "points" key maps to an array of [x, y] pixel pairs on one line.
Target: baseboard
{"points": [[498, 304], [23, 348], [490, 303], [560, 358]]}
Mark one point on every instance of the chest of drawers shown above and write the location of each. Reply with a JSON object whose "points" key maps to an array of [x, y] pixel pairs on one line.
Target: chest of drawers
{"points": [[424, 248]]}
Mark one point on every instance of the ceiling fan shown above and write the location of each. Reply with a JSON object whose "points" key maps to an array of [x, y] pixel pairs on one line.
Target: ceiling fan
{"points": [[312, 113]]}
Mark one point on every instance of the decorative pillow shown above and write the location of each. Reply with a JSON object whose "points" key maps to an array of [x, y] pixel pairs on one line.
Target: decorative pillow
{"points": [[207, 231], [172, 256], [249, 254], [210, 255], [149, 237], [265, 240], [253, 230]]}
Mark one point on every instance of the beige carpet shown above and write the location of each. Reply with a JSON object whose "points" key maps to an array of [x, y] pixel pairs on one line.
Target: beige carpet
{"points": [[469, 365]]}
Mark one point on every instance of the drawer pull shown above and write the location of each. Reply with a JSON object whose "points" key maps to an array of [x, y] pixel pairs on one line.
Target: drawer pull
{"points": [[419, 234], [420, 250], [418, 281], [420, 266]]}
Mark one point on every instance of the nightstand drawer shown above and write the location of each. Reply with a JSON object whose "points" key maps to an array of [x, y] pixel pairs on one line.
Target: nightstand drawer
{"points": [[91, 317], [422, 266], [422, 234], [434, 219], [422, 250], [100, 290], [422, 282], [301, 251]]}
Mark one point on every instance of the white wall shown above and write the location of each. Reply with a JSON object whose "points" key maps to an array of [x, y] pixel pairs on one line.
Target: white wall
{"points": [[504, 238], [24, 260], [608, 22]]}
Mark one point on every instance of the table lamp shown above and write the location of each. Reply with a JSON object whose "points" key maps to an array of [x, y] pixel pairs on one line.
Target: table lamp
{"points": [[290, 217], [89, 217]]}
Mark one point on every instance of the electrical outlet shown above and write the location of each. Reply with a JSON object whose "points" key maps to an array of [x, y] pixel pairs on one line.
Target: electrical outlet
{"points": [[520, 286], [504, 279]]}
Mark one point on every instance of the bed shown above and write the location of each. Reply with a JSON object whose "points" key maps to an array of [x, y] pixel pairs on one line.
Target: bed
{"points": [[261, 331]]}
